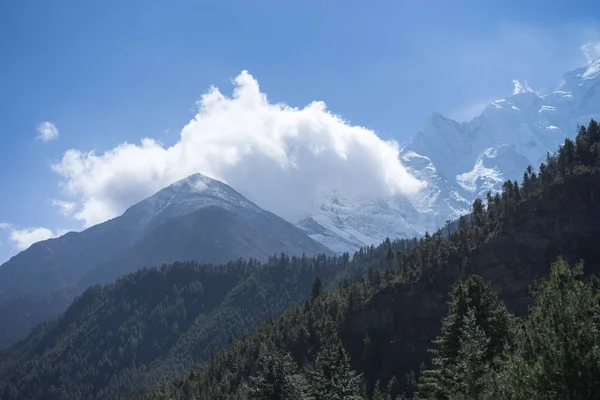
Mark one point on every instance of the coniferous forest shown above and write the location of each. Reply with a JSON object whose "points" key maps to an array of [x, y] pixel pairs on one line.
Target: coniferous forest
{"points": [[502, 305]]}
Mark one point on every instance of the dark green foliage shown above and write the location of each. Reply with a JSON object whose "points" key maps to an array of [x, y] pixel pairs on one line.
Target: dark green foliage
{"points": [[153, 325], [473, 334], [553, 354], [317, 288], [556, 354]]}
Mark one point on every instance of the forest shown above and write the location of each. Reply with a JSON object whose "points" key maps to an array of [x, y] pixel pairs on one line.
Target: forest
{"points": [[502, 307]]}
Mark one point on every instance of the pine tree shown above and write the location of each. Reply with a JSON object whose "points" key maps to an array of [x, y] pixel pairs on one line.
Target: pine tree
{"points": [[377, 393], [333, 378], [557, 356], [277, 379], [477, 212], [449, 227], [473, 334], [393, 387], [516, 192], [317, 288]]}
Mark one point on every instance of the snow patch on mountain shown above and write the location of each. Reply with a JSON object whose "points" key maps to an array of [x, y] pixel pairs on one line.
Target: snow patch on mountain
{"points": [[475, 178], [592, 71]]}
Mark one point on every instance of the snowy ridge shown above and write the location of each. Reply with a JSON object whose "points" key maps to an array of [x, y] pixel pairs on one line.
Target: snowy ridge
{"points": [[461, 161]]}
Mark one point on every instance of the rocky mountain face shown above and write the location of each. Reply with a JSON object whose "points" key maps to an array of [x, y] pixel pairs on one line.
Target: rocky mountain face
{"points": [[197, 219], [461, 161]]}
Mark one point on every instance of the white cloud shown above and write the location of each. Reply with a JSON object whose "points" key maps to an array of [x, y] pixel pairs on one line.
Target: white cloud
{"points": [[66, 208], [23, 238], [282, 158], [47, 131]]}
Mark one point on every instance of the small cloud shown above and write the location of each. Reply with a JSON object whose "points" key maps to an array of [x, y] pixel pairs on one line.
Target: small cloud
{"points": [[47, 131], [23, 238], [66, 208]]}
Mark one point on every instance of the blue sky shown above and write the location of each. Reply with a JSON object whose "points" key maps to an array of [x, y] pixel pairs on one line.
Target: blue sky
{"points": [[110, 72]]}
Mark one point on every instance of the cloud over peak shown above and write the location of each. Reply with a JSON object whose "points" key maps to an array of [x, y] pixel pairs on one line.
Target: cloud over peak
{"points": [[283, 158]]}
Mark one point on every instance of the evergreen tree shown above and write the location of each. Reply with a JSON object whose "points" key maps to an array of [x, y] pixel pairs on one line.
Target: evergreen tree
{"points": [[558, 354], [277, 379], [377, 393], [473, 334], [317, 288], [333, 378], [393, 387]]}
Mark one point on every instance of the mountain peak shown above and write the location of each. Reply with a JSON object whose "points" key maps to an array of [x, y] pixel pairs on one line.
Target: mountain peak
{"points": [[194, 183], [197, 185], [183, 197]]}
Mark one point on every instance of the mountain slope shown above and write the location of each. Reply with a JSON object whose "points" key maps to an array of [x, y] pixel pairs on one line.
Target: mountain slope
{"points": [[197, 218], [460, 161], [211, 235], [154, 325]]}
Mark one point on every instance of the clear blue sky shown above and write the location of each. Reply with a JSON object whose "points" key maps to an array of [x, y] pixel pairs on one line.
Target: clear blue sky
{"points": [[109, 71]]}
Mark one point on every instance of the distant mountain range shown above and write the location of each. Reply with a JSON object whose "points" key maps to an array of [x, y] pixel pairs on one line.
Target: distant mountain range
{"points": [[197, 219], [461, 161]]}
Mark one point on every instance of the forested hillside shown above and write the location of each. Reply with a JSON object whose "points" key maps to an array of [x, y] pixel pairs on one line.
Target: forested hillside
{"points": [[153, 325], [381, 325]]}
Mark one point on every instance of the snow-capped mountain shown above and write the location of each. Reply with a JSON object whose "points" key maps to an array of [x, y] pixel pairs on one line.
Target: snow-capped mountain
{"points": [[463, 160], [197, 218]]}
